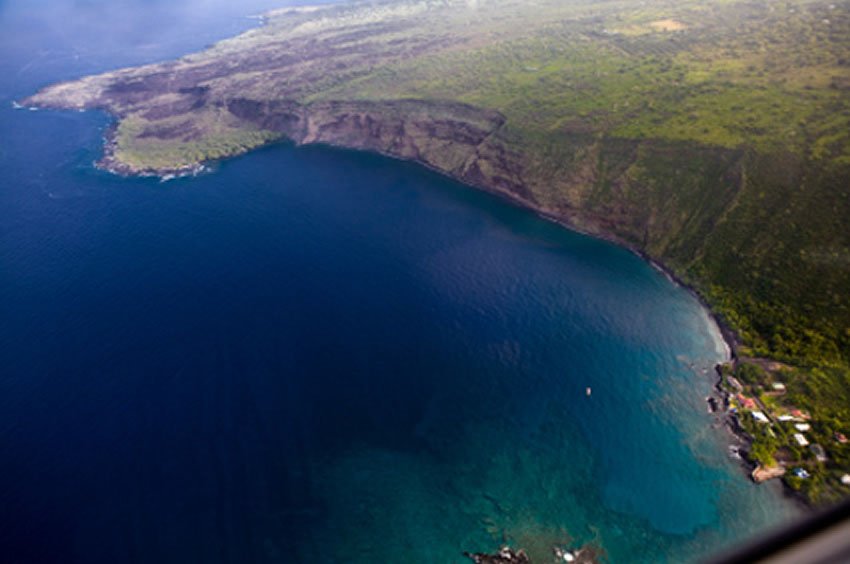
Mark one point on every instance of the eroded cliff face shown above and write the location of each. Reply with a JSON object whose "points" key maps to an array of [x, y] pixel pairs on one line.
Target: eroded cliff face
{"points": [[456, 139], [641, 192], [662, 198]]}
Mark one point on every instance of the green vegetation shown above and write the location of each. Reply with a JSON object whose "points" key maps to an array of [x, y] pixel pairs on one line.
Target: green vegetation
{"points": [[712, 135], [143, 152]]}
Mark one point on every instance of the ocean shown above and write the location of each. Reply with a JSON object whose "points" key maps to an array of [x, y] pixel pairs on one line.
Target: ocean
{"points": [[316, 355]]}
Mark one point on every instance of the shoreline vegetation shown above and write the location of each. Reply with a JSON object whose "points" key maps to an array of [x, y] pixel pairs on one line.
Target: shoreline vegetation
{"points": [[710, 138]]}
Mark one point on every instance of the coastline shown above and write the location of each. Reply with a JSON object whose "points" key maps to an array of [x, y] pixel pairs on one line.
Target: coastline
{"points": [[98, 150], [740, 439], [729, 338], [108, 163]]}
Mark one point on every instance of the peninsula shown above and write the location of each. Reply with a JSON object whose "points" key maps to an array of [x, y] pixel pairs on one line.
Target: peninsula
{"points": [[711, 136]]}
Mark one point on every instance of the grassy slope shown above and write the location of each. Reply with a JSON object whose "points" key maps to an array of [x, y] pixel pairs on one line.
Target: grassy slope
{"points": [[714, 135]]}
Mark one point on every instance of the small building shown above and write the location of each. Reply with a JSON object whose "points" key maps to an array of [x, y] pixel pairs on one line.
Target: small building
{"points": [[801, 440], [840, 438], [760, 417], [746, 403], [845, 479], [820, 454], [778, 387], [801, 473], [786, 417], [800, 414], [735, 383], [802, 426]]}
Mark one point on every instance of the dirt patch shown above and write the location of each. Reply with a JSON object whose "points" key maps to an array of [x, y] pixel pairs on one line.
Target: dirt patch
{"points": [[667, 25]]}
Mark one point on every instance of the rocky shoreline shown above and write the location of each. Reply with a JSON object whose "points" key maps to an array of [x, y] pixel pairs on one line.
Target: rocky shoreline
{"points": [[109, 163], [507, 555]]}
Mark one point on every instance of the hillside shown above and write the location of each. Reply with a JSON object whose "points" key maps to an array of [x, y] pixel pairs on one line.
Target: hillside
{"points": [[713, 136]]}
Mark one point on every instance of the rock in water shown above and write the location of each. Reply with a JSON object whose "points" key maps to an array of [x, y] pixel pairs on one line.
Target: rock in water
{"points": [[506, 555]]}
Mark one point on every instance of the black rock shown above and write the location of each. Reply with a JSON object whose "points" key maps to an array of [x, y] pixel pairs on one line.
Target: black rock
{"points": [[505, 556]]}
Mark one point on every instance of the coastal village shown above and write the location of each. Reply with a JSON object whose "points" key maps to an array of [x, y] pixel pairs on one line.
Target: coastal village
{"points": [[808, 449]]}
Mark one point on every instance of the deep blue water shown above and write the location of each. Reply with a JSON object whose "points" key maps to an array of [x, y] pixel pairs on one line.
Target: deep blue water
{"points": [[312, 355]]}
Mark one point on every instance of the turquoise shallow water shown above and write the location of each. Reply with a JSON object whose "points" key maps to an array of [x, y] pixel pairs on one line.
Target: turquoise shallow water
{"points": [[312, 355]]}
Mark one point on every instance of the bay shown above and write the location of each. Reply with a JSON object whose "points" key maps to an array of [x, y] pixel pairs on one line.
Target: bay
{"points": [[314, 355]]}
